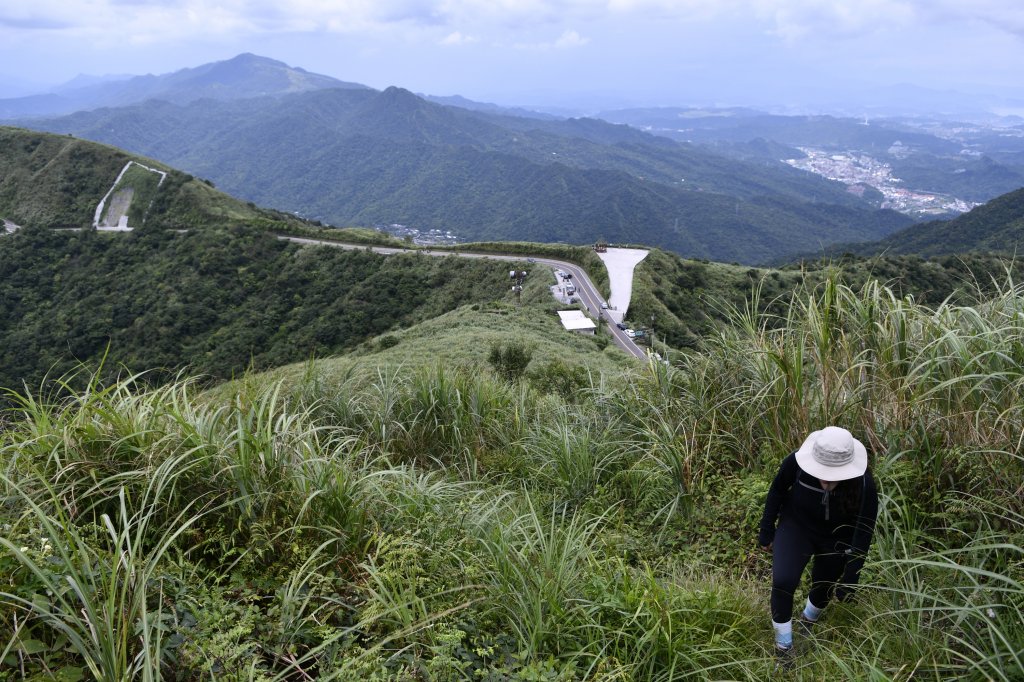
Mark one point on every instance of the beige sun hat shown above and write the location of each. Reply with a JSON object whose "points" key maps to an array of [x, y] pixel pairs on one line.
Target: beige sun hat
{"points": [[832, 454]]}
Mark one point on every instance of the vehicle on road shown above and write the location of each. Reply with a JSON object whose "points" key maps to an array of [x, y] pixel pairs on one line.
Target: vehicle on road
{"points": [[604, 305], [531, 260], [622, 325], [630, 333]]}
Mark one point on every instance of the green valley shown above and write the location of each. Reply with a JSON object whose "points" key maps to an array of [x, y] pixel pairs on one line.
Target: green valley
{"points": [[363, 157]]}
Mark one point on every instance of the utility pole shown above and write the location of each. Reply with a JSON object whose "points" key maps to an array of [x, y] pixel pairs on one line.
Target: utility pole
{"points": [[517, 277], [653, 349]]}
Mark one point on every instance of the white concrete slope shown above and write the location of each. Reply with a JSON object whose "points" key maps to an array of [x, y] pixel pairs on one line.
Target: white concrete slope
{"points": [[620, 264]]}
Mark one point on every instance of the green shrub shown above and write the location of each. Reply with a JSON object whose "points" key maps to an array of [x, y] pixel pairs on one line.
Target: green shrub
{"points": [[509, 359]]}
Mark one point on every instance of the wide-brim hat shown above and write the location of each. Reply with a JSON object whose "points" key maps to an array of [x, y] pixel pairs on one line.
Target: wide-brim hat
{"points": [[833, 454]]}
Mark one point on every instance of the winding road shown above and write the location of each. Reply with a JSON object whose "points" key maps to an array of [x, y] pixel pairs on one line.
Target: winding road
{"points": [[586, 292]]}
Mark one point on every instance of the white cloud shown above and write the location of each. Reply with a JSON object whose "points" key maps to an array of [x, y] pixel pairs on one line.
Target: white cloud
{"points": [[457, 38], [621, 45], [796, 19], [570, 39], [517, 22], [1003, 14]]}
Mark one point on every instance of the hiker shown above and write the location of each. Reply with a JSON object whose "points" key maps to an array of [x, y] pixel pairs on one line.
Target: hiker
{"points": [[824, 500]]}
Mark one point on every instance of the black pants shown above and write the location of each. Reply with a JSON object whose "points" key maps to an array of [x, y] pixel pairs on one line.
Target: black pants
{"points": [[791, 552]]}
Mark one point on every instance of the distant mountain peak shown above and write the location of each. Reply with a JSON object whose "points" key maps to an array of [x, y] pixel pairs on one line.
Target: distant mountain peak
{"points": [[397, 93], [396, 99], [250, 56], [248, 75], [243, 76]]}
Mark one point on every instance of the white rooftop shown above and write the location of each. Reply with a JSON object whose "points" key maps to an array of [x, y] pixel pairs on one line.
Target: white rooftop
{"points": [[575, 320]]}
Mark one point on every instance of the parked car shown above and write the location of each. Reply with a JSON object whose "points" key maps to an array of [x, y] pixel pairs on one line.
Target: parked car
{"points": [[622, 325], [604, 305], [630, 333]]}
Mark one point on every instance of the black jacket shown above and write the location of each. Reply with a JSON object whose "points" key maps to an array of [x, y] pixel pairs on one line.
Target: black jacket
{"points": [[796, 495]]}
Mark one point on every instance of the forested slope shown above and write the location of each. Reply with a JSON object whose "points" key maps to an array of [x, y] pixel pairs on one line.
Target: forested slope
{"points": [[58, 181], [997, 226], [217, 301]]}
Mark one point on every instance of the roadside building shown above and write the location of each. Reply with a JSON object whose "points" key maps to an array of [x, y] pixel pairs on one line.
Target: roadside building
{"points": [[576, 321]]}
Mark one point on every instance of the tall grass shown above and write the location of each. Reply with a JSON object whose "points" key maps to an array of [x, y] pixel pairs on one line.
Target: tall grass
{"points": [[535, 564], [443, 524], [103, 593]]}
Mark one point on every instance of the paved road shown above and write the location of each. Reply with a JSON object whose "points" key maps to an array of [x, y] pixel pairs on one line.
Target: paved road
{"points": [[586, 292]]}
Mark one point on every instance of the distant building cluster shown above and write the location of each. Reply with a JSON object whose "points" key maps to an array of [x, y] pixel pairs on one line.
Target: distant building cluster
{"points": [[421, 238], [860, 170]]}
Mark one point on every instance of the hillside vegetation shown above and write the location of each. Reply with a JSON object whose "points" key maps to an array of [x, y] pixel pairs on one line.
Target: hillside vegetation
{"points": [[218, 301], [467, 491], [445, 523], [997, 226], [690, 299]]}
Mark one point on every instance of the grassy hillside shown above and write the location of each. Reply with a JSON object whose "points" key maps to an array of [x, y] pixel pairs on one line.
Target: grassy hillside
{"points": [[443, 523], [464, 340], [219, 301]]}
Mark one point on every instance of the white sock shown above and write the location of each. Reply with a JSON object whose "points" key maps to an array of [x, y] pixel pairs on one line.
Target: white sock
{"points": [[811, 612], [783, 634]]}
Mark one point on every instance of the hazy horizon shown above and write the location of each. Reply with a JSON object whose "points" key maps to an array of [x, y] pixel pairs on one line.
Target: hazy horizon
{"points": [[554, 53]]}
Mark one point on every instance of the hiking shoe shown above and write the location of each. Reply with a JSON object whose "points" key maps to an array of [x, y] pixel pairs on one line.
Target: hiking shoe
{"points": [[785, 657]]}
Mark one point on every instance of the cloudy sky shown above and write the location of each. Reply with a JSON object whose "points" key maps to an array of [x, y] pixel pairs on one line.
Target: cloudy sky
{"points": [[626, 52]]}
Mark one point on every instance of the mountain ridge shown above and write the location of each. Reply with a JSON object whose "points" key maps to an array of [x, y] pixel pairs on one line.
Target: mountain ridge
{"points": [[366, 157], [996, 226]]}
